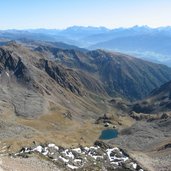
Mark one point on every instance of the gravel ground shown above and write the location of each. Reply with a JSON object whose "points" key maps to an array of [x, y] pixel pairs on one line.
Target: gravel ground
{"points": [[154, 161], [28, 164], [144, 135], [147, 141]]}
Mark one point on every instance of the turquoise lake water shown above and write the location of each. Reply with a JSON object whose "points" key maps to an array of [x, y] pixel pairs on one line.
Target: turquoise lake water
{"points": [[108, 134]]}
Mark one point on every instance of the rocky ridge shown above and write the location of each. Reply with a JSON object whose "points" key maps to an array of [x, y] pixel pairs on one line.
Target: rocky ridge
{"points": [[98, 157], [121, 75]]}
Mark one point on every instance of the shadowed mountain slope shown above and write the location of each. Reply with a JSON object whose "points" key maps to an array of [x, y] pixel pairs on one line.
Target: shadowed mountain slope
{"points": [[120, 74], [159, 100]]}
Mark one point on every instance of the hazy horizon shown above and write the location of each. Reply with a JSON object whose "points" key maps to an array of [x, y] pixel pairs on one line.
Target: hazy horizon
{"points": [[120, 27], [57, 14]]}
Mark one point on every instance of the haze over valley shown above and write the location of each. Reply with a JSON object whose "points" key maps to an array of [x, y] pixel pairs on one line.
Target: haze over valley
{"points": [[151, 44]]}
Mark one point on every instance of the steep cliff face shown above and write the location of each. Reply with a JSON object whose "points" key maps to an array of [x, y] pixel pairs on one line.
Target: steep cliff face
{"points": [[63, 78], [6, 60]]}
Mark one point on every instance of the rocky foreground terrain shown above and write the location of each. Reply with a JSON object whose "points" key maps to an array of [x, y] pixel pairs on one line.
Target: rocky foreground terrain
{"points": [[98, 157], [59, 93]]}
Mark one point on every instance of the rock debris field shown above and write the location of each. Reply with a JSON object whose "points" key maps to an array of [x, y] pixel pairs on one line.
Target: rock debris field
{"points": [[82, 158]]}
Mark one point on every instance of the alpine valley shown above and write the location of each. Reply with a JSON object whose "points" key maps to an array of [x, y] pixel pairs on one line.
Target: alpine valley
{"points": [[57, 98]]}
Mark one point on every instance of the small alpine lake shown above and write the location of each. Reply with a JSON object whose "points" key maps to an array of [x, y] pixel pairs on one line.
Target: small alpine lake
{"points": [[108, 134]]}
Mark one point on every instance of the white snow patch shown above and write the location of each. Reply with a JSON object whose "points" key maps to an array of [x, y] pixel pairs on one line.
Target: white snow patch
{"points": [[94, 156], [38, 149], [134, 165], [45, 153], [78, 150], [16, 154], [77, 160], [72, 167], [95, 148], [54, 159], [109, 151], [65, 160], [116, 163], [27, 150], [7, 74], [86, 148], [53, 146], [125, 159], [68, 154]]}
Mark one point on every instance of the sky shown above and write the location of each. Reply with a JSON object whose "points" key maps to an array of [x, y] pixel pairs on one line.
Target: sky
{"points": [[59, 14]]}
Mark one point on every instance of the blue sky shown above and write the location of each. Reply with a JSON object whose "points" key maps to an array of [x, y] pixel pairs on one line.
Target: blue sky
{"points": [[21, 14]]}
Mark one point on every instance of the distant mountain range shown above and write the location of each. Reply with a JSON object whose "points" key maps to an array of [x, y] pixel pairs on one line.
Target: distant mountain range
{"points": [[151, 44]]}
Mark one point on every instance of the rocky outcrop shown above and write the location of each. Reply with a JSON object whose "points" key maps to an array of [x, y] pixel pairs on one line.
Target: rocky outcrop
{"points": [[83, 158], [6, 60], [14, 64], [62, 77]]}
